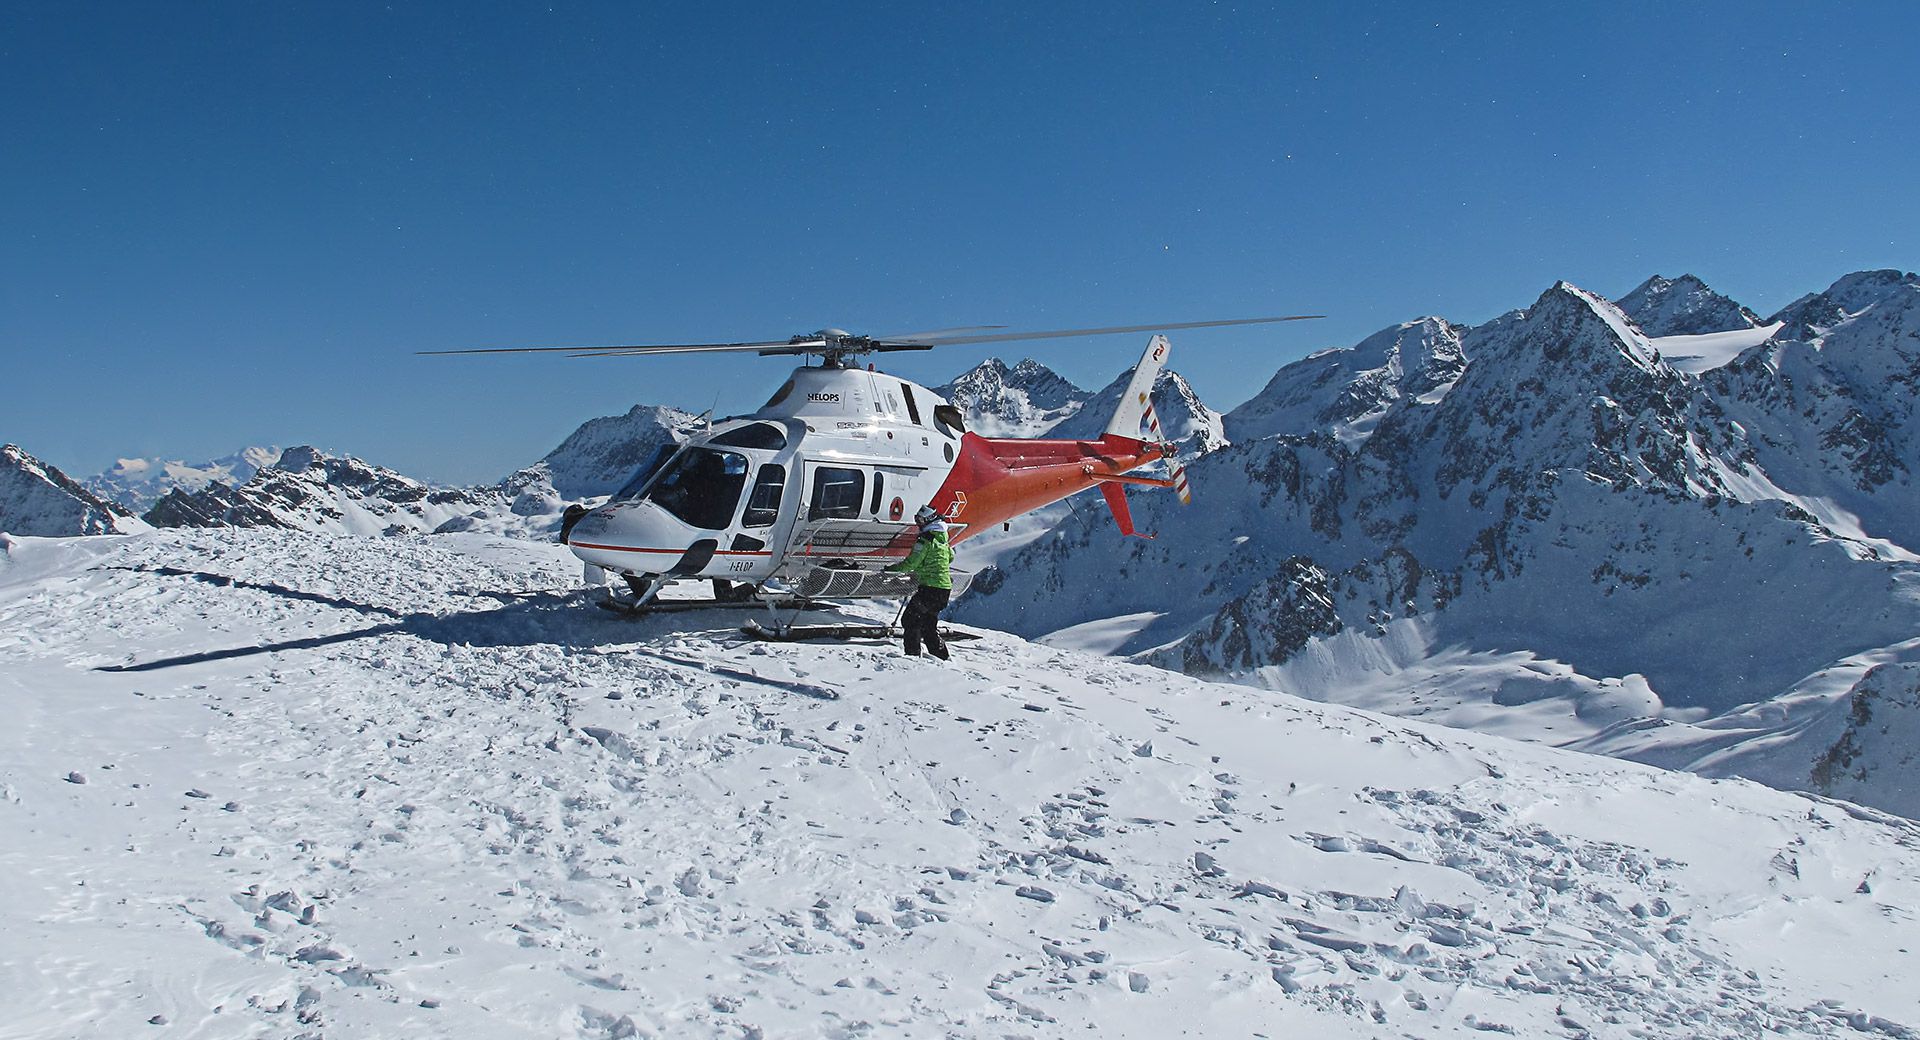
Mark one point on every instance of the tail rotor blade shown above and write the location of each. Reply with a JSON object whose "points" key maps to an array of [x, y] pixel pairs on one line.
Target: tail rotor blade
{"points": [[1179, 473]]}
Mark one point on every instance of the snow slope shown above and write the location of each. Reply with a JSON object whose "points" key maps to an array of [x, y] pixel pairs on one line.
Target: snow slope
{"points": [[300, 785], [1710, 350]]}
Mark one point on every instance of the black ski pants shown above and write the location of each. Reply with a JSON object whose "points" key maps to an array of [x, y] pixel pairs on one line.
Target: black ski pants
{"points": [[921, 624]]}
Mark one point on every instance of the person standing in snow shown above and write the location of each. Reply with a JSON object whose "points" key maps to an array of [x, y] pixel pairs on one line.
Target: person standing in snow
{"points": [[931, 562]]}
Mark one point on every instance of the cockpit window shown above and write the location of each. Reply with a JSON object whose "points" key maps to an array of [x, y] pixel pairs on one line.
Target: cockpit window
{"points": [[758, 435], [641, 476], [701, 487]]}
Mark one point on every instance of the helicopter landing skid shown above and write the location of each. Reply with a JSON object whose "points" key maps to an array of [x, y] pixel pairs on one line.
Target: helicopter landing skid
{"points": [[843, 633], [804, 633], [632, 606]]}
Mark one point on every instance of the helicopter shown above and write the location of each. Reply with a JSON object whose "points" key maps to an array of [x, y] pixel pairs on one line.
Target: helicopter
{"points": [[812, 496]]}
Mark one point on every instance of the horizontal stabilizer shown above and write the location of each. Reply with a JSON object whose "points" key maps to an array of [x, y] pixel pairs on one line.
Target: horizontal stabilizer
{"points": [[1128, 478]]}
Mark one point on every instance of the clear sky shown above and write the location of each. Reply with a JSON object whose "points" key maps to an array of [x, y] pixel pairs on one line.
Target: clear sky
{"points": [[225, 224]]}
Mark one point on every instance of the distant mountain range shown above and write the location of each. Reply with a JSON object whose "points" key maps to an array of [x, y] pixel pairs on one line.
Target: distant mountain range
{"points": [[308, 490], [139, 483]]}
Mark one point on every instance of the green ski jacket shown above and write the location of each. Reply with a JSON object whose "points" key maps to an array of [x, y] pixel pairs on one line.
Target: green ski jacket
{"points": [[931, 561]]}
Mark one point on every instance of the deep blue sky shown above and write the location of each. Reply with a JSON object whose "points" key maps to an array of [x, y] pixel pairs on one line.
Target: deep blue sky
{"points": [[232, 223]]}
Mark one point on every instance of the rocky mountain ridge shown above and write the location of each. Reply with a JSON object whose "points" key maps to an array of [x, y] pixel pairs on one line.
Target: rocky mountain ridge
{"points": [[1348, 391], [1022, 401], [38, 500], [308, 490]]}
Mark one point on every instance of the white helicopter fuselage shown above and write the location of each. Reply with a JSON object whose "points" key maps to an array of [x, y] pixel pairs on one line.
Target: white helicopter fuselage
{"points": [[829, 471]]}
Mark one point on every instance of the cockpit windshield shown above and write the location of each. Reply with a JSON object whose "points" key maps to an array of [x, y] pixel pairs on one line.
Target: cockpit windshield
{"points": [[645, 473], [701, 486]]}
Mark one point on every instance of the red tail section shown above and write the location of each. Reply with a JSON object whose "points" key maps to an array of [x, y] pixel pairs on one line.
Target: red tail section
{"points": [[997, 479]]}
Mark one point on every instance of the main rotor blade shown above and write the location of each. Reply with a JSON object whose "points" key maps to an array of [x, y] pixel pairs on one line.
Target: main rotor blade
{"points": [[933, 334], [1006, 337], [781, 347], [652, 348]]}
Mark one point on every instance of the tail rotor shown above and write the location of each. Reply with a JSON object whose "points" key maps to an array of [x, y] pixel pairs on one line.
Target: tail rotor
{"points": [[1172, 454]]}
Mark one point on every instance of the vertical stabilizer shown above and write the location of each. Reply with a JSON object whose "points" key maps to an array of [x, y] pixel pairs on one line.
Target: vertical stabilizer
{"points": [[1133, 404]]}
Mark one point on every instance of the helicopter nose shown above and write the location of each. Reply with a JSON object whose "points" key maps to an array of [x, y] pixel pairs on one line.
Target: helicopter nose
{"points": [[639, 538]]}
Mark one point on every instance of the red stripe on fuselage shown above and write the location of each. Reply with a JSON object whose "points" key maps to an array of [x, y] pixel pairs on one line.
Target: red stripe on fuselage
{"points": [[669, 552]]}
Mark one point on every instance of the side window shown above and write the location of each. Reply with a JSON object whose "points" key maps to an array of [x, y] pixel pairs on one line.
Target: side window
{"points": [[879, 484], [763, 506], [947, 417], [837, 493], [913, 406]]}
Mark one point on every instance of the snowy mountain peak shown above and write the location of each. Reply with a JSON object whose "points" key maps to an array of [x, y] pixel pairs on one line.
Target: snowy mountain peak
{"points": [[1347, 391], [1020, 401], [37, 499], [1570, 386], [305, 457], [1570, 325], [602, 455], [1184, 418], [1815, 314], [1683, 306], [138, 483]]}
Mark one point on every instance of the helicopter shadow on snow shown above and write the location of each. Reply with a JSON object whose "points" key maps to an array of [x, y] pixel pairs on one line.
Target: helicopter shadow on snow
{"points": [[522, 619]]}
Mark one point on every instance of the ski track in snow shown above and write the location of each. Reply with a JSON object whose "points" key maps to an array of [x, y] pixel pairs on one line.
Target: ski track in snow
{"points": [[275, 784]]}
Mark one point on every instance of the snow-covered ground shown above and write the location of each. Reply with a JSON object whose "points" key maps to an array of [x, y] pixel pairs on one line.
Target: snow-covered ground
{"points": [[271, 783]]}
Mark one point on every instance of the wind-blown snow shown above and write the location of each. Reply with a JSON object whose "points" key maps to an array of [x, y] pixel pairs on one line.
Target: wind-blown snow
{"points": [[309, 784]]}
